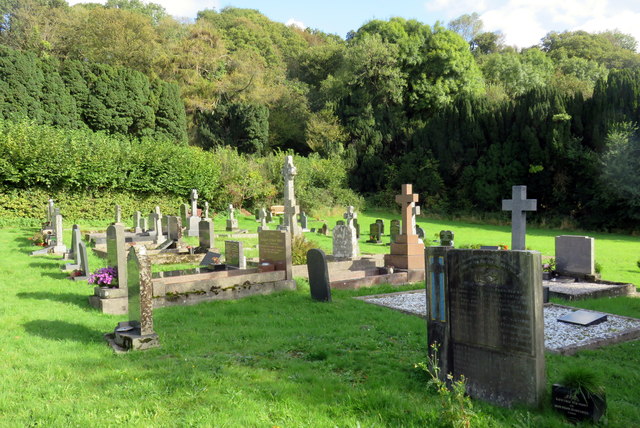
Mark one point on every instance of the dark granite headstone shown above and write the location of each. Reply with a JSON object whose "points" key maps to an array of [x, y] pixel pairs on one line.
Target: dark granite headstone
{"points": [[274, 247], [496, 322], [210, 258], [381, 223], [577, 406], [374, 233], [583, 318], [234, 254], [324, 230], [438, 330], [318, 275], [446, 238], [205, 234]]}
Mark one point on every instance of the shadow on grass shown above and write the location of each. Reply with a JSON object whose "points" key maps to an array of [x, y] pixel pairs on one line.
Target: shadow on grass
{"points": [[44, 265], [76, 299], [62, 330], [56, 275]]}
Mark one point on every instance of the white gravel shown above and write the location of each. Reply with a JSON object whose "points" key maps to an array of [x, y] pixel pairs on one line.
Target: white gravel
{"points": [[557, 335]]}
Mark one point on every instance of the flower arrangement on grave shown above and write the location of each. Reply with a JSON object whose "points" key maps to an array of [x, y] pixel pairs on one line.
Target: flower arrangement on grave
{"points": [[76, 272], [105, 277], [503, 246], [549, 266], [38, 239]]}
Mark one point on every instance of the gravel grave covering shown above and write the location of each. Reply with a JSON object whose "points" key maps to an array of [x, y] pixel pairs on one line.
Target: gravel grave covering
{"points": [[558, 336], [577, 288]]}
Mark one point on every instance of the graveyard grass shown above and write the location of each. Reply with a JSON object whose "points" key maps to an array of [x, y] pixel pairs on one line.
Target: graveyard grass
{"points": [[278, 360]]}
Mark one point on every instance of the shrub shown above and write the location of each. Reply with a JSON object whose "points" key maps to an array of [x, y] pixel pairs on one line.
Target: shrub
{"points": [[299, 248], [597, 267]]}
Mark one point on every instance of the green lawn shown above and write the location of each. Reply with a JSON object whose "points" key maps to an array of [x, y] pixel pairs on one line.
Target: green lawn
{"points": [[279, 360]]}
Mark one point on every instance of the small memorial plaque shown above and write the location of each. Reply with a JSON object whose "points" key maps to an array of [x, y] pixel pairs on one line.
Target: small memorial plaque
{"points": [[577, 406], [210, 258], [583, 318]]}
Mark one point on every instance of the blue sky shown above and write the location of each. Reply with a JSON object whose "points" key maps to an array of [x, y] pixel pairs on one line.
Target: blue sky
{"points": [[523, 22]]}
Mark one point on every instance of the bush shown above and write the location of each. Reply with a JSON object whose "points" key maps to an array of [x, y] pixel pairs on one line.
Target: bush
{"points": [[299, 248], [597, 267]]}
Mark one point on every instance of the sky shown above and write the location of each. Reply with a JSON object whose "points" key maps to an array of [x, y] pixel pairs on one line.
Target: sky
{"points": [[523, 22]]}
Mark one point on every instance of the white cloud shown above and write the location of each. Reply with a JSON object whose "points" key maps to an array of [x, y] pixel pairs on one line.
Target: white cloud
{"points": [[293, 23]]}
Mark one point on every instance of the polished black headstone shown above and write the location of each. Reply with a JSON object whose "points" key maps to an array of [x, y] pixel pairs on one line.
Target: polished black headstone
{"points": [[318, 275], [577, 406], [210, 258], [583, 318]]}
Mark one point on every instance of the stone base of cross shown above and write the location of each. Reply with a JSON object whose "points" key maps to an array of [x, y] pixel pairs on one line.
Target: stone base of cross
{"points": [[291, 220], [407, 252]]}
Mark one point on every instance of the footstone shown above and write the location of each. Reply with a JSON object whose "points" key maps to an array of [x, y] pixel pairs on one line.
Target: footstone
{"points": [[318, 275], [583, 318]]}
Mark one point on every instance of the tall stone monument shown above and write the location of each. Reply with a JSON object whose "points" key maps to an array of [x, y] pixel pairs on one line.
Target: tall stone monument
{"points": [[193, 220], [262, 217], [291, 210], [406, 252], [118, 214], [345, 242], [232, 221], [59, 247], [518, 205]]}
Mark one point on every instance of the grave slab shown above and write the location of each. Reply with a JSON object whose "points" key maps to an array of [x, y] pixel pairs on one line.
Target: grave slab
{"points": [[583, 318]]}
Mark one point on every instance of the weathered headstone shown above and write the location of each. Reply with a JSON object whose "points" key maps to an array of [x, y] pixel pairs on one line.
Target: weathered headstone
{"points": [[59, 247], [116, 256], [394, 230], [234, 254], [324, 230], [518, 205], [381, 223], [262, 217], [375, 235], [156, 220], [438, 327], [137, 222], [575, 255], [407, 252], [274, 247], [357, 226], [175, 228], [206, 211], [184, 214], [291, 209], [72, 254], [118, 214], [83, 263], [50, 208], [496, 322], [193, 220], [576, 405], [137, 333], [206, 235], [446, 238], [318, 275], [303, 222], [345, 242], [232, 221]]}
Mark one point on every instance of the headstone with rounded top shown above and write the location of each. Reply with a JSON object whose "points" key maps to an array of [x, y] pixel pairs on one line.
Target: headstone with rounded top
{"points": [[319, 284]]}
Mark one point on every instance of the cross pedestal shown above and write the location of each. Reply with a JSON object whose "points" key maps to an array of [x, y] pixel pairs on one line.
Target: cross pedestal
{"points": [[407, 252], [519, 205]]}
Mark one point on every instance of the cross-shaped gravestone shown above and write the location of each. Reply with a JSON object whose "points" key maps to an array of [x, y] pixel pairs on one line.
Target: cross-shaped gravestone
{"points": [[206, 211], [406, 200], [194, 203], [350, 215], [262, 216], [231, 212], [437, 300], [518, 205], [291, 210]]}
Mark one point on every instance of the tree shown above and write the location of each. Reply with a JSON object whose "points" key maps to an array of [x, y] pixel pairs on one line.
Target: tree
{"points": [[153, 10]]}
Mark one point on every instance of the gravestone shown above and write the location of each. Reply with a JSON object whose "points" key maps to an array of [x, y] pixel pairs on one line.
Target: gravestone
{"points": [[575, 255], [234, 254], [446, 238], [269, 216], [205, 236], [59, 247], [118, 214], [357, 226], [291, 209], [274, 248], [407, 252], [156, 220], [577, 406], [206, 211], [137, 333], [345, 241], [83, 263], [193, 222], [583, 318], [303, 222], [496, 322], [519, 205], [318, 275], [394, 230], [184, 214], [116, 256], [420, 233], [232, 221], [50, 209], [175, 228], [165, 225], [73, 254], [375, 235], [415, 211], [262, 218], [324, 230], [137, 222], [438, 327], [489, 247], [211, 258], [145, 225], [381, 223]]}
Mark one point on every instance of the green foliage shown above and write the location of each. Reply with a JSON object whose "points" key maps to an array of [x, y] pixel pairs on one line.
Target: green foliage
{"points": [[597, 267], [299, 248], [638, 263], [585, 380]]}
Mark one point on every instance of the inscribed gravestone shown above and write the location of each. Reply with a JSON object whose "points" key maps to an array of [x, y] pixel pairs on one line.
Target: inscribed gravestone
{"points": [[407, 252], [73, 254], [83, 263], [318, 275], [175, 228], [381, 223], [438, 330], [137, 222], [496, 322], [262, 217], [205, 236], [394, 230], [234, 254], [374, 233], [275, 248], [193, 222], [59, 248], [575, 255], [446, 238], [116, 256], [518, 205]]}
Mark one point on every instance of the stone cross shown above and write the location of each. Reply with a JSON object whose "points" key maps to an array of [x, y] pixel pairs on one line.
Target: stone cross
{"points": [[118, 214], [415, 211], [206, 210], [406, 200], [231, 211], [262, 216], [50, 212], [350, 215], [291, 210], [194, 203], [518, 205]]}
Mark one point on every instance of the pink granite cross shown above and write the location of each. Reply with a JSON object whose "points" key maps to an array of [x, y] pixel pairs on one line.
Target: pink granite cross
{"points": [[405, 199]]}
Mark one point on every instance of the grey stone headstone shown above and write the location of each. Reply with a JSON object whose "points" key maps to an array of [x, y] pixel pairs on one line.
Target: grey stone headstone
{"points": [[76, 238], [234, 254], [357, 226], [519, 205], [318, 275], [374, 233], [446, 238], [303, 221], [206, 235], [394, 230], [59, 247], [83, 260], [145, 225], [381, 223], [497, 323], [175, 228], [575, 255], [137, 222], [274, 247], [140, 290], [118, 214], [50, 208], [210, 258], [291, 209], [438, 330], [116, 256], [345, 243], [184, 214]]}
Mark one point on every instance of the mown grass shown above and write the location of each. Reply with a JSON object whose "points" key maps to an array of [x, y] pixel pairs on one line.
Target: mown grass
{"points": [[278, 360]]}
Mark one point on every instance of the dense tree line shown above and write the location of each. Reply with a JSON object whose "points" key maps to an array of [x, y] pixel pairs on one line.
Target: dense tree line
{"points": [[451, 109]]}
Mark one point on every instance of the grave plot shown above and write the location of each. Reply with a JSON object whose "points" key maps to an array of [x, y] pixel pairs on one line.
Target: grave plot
{"points": [[569, 288]]}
